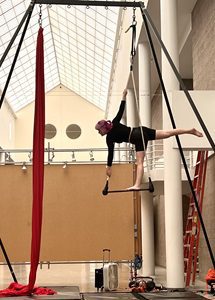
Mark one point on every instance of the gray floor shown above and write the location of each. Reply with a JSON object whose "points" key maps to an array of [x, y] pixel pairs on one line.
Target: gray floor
{"points": [[83, 277]]}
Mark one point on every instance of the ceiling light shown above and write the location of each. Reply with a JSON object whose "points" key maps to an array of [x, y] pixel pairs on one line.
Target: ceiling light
{"points": [[24, 166], [91, 156], [73, 157]]}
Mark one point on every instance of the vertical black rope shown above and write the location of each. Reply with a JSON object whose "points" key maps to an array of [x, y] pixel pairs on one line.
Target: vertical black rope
{"points": [[15, 34], [177, 138], [8, 261], [145, 13], [16, 56]]}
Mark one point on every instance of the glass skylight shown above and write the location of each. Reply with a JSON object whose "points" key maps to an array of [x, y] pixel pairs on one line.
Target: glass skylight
{"points": [[78, 45], [21, 89]]}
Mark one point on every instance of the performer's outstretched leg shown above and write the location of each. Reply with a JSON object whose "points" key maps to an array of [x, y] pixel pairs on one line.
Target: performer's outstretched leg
{"points": [[164, 134], [160, 134]]}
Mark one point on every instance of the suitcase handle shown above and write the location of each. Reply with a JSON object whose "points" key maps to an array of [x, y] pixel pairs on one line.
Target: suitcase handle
{"points": [[106, 250]]}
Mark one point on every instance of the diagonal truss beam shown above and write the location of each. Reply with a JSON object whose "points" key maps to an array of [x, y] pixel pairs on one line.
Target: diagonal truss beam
{"points": [[30, 8], [26, 19]]}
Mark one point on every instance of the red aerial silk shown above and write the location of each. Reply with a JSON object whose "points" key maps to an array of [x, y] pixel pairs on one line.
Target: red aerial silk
{"points": [[38, 160], [16, 289]]}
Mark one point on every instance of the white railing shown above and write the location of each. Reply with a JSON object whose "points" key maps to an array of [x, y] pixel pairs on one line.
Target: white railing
{"points": [[155, 156], [154, 159], [65, 156]]}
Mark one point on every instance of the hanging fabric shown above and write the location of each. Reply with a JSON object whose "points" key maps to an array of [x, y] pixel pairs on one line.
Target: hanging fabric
{"points": [[16, 289], [38, 160]]}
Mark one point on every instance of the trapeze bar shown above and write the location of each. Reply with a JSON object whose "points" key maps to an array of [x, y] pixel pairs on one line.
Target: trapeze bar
{"points": [[91, 3], [124, 191]]}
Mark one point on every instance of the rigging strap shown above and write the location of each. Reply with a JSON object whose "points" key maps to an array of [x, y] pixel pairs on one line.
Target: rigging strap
{"points": [[133, 53], [133, 43]]}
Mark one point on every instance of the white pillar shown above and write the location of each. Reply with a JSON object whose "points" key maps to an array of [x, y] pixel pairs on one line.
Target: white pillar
{"points": [[144, 83], [123, 154], [131, 112], [130, 117], [172, 171], [147, 220], [147, 226]]}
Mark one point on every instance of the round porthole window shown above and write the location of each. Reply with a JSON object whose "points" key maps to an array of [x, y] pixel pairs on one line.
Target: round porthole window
{"points": [[50, 131], [73, 131]]}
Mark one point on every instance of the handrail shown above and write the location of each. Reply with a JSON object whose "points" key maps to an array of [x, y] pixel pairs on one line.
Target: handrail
{"points": [[126, 154]]}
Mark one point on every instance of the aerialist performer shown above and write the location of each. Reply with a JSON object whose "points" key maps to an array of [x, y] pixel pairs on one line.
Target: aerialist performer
{"points": [[116, 132]]}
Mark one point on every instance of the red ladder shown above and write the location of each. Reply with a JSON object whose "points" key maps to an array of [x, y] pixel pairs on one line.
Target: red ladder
{"points": [[192, 232]]}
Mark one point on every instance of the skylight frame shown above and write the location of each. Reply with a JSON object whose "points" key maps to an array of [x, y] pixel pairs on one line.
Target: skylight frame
{"points": [[94, 71]]}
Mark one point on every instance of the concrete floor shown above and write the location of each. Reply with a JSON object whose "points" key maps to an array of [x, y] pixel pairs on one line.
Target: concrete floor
{"points": [[81, 275]]}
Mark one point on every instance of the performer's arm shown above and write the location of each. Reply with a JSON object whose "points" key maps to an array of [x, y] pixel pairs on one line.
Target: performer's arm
{"points": [[121, 108], [111, 144], [109, 158], [110, 154]]}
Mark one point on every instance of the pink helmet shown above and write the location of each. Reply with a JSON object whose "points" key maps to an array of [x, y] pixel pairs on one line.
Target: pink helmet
{"points": [[104, 126]]}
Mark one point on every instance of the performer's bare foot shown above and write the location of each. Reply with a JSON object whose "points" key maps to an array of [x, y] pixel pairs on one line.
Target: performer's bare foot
{"points": [[134, 187], [196, 132]]}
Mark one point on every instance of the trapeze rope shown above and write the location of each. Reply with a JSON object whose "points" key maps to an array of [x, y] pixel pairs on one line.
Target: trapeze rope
{"points": [[141, 129], [133, 53]]}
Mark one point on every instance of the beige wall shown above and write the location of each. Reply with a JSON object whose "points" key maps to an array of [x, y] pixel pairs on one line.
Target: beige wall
{"points": [[63, 107], [7, 128], [78, 221]]}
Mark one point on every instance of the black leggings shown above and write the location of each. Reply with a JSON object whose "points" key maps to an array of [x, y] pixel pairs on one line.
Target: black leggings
{"points": [[149, 134]]}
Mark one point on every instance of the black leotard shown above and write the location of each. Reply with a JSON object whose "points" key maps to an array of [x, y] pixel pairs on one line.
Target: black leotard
{"points": [[120, 133]]}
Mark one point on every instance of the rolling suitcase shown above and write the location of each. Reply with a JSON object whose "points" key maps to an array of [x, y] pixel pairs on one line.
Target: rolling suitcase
{"points": [[99, 278], [110, 273]]}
